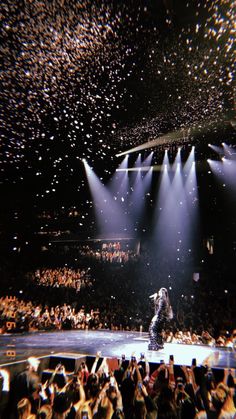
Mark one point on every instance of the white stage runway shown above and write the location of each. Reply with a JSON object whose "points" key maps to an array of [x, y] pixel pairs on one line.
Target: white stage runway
{"points": [[111, 344]]}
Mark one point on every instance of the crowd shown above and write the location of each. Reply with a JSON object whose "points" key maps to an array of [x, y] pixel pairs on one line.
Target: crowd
{"points": [[63, 277], [116, 256], [112, 252], [21, 316], [204, 311], [119, 388]]}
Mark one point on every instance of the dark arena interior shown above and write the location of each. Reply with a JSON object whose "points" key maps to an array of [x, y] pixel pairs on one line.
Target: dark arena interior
{"points": [[117, 209]]}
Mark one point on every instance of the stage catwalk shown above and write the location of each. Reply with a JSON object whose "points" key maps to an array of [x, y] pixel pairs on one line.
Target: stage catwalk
{"points": [[111, 344]]}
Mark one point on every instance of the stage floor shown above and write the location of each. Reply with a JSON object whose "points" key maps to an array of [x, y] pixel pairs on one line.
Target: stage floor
{"points": [[111, 344]]}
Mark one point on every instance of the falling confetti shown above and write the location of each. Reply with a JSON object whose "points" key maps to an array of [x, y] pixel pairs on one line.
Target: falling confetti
{"points": [[82, 79]]}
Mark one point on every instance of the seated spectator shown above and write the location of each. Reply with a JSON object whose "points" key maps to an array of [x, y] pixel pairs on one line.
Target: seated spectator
{"points": [[62, 277]]}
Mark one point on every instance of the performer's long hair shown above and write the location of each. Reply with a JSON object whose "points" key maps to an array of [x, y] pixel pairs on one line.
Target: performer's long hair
{"points": [[163, 295], [163, 313]]}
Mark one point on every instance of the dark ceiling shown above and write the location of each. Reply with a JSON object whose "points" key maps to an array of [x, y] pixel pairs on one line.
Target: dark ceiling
{"points": [[88, 79]]}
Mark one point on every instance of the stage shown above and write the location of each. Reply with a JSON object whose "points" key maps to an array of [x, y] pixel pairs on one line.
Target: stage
{"points": [[18, 347]]}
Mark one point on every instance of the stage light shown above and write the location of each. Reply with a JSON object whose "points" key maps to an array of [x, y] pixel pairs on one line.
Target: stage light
{"points": [[177, 224], [217, 149], [111, 218], [229, 151], [174, 137], [148, 160], [137, 169], [138, 161]]}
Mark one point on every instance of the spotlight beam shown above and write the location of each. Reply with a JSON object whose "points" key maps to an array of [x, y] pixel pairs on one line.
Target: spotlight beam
{"points": [[182, 135], [164, 139], [200, 165], [136, 169]]}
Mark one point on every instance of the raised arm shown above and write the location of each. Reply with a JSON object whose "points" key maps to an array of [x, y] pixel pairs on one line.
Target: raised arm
{"points": [[94, 366]]}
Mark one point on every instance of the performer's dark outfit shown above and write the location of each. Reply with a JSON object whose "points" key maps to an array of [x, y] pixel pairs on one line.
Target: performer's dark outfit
{"points": [[163, 313]]}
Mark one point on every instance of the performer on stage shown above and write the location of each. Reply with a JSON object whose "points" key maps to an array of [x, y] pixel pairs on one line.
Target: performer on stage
{"points": [[163, 313]]}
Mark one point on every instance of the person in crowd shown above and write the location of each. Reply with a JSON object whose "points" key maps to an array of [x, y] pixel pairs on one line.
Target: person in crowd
{"points": [[45, 412], [125, 389], [163, 313], [4, 389], [24, 316], [217, 398], [26, 385], [24, 409]]}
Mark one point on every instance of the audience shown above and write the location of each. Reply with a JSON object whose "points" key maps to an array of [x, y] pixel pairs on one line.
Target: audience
{"points": [[18, 316], [24, 316], [132, 389], [112, 252], [64, 297], [63, 277]]}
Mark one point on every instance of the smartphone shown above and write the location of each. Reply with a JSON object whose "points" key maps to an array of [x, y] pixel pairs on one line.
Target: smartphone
{"points": [[84, 415], [162, 361], [194, 362], [112, 381], [142, 355], [171, 358], [140, 386], [123, 357]]}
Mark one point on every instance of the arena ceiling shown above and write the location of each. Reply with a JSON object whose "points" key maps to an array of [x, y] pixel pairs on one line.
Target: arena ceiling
{"points": [[91, 79]]}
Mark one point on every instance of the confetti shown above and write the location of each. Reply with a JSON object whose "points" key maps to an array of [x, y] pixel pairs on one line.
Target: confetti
{"points": [[86, 79]]}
